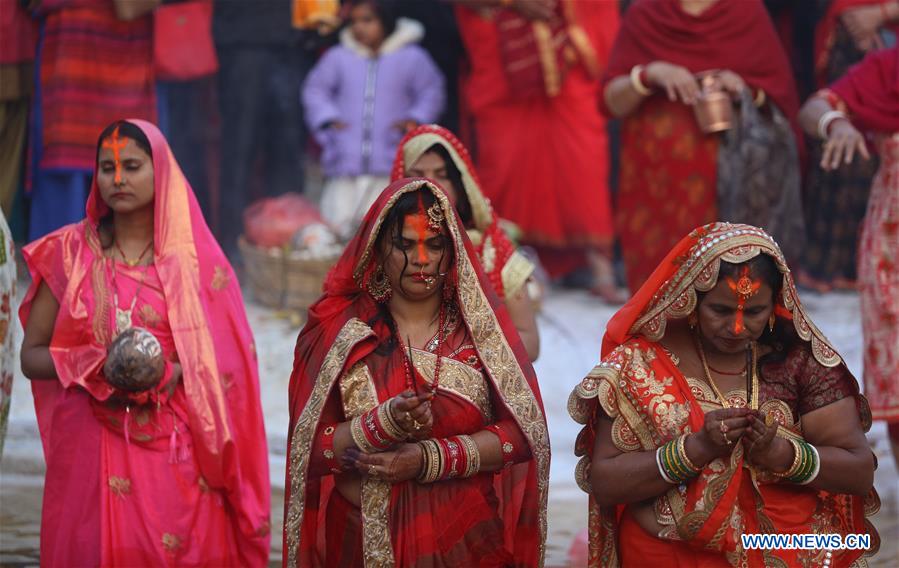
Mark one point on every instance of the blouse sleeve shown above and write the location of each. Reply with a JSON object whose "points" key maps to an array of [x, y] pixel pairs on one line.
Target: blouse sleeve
{"points": [[820, 385]]}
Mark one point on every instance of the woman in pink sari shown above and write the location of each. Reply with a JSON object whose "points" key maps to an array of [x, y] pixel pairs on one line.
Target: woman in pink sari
{"points": [[165, 476]]}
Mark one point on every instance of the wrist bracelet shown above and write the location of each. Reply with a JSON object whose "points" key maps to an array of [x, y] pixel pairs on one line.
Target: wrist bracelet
{"points": [[826, 119], [637, 82], [448, 458]]}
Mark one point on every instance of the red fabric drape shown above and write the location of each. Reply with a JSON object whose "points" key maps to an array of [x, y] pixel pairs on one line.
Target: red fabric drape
{"points": [[870, 90]]}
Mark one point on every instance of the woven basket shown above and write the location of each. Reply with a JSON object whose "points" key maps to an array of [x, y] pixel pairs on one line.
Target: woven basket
{"points": [[281, 280]]}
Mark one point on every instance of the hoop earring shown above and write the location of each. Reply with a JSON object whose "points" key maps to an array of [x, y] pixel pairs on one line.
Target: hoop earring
{"points": [[771, 321], [693, 320], [378, 285]]}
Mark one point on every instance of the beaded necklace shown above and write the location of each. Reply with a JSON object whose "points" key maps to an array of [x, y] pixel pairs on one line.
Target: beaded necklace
{"points": [[407, 357]]}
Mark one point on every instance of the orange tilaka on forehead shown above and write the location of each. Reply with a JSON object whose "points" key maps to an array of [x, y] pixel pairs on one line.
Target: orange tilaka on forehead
{"points": [[113, 143], [743, 288], [419, 223]]}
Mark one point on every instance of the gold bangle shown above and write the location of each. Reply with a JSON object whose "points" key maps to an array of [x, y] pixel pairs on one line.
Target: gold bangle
{"points": [[797, 460], [473, 454], [430, 453], [682, 451], [391, 427], [637, 84]]}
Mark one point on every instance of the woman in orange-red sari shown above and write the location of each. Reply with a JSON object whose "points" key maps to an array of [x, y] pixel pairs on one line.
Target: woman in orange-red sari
{"points": [[669, 167], [720, 410], [408, 352], [539, 142], [174, 475]]}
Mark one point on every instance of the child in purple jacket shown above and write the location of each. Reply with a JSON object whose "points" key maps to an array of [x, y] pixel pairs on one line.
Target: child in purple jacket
{"points": [[359, 101]]}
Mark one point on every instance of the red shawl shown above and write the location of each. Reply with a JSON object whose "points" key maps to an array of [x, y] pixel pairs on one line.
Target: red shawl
{"points": [[341, 332], [211, 334], [870, 90], [728, 35]]}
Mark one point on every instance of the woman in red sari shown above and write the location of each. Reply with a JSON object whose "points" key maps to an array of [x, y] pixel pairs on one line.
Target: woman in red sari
{"points": [[719, 410], [540, 142], [669, 167], [866, 100], [417, 433], [175, 475], [431, 151]]}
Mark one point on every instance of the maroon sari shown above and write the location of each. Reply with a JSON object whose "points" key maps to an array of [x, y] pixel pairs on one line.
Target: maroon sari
{"points": [[490, 519]]}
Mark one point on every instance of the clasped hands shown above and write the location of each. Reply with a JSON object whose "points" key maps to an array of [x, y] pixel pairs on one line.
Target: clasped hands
{"points": [[728, 426], [412, 412]]}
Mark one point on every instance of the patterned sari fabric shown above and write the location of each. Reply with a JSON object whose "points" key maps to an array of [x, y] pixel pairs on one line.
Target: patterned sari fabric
{"points": [[639, 386], [175, 481], [507, 268], [870, 92], [8, 349], [492, 519]]}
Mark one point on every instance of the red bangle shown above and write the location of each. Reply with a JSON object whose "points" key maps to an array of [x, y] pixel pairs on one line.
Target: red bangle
{"points": [[508, 448], [327, 444]]}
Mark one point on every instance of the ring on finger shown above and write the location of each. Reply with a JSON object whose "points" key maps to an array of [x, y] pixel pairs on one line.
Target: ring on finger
{"points": [[722, 425], [416, 424], [372, 472], [727, 439]]}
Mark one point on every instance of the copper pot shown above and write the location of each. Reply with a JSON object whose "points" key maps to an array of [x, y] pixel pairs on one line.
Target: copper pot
{"points": [[714, 110]]}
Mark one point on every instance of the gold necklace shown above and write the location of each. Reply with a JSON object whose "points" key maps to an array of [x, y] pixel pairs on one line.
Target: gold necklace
{"points": [[752, 385]]}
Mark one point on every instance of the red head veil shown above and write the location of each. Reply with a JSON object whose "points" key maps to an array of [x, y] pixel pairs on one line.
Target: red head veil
{"points": [[208, 322], [338, 335]]}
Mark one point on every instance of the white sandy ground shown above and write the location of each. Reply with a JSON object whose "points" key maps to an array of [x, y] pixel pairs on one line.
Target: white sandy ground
{"points": [[571, 327]]}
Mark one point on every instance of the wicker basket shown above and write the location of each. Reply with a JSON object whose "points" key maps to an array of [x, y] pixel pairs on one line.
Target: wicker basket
{"points": [[280, 280]]}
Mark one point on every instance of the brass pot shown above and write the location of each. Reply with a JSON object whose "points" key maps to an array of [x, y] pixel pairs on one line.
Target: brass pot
{"points": [[714, 110]]}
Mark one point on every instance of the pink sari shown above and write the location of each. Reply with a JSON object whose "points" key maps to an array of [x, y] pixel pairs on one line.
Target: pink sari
{"points": [[171, 482]]}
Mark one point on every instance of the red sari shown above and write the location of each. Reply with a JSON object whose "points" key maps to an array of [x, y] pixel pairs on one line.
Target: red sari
{"points": [[639, 386], [543, 158], [870, 93], [176, 481], [492, 519], [668, 166]]}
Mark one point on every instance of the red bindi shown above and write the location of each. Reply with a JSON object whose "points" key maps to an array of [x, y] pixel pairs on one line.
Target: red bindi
{"points": [[114, 143]]}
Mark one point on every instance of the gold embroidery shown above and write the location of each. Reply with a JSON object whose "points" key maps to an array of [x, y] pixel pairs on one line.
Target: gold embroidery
{"points": [[149, 316], [515, 273], [352, 333], [457, 378], [356, 385], [100, 323], [119, 486], [220, 279], [171, 542]]}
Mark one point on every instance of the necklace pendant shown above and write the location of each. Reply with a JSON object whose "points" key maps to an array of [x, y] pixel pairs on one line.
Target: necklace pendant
{"points": [[122, 320]]}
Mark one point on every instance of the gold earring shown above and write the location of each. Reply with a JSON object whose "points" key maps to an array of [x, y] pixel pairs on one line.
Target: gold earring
{"points": [[693, 320], [378, 286], [771, 322]]}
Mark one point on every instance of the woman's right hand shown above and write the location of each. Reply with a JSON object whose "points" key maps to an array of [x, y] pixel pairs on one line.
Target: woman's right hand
{"points": [[413, 413], [842, 144], [677, 82], [714, 440]]}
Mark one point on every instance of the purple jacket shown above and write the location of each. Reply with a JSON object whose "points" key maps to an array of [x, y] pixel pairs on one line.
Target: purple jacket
{"points": [[370, 93]]}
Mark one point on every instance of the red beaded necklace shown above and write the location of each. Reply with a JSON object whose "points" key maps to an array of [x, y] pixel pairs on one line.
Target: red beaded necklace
{"points": [[407, 357]]}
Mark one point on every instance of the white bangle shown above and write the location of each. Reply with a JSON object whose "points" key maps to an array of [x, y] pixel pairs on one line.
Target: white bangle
{"points": [[825, 120], [637, 84], [817, 469], [662, 469]]}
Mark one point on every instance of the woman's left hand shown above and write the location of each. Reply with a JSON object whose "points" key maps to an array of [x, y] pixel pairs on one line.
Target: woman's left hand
{"points": [[731, 82], [402, 463], [764, 448]]}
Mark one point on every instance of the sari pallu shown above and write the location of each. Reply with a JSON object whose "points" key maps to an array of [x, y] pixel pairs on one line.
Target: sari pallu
{"points": [[507, 268], [337, 375], [639, 386], [214, 346]]}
